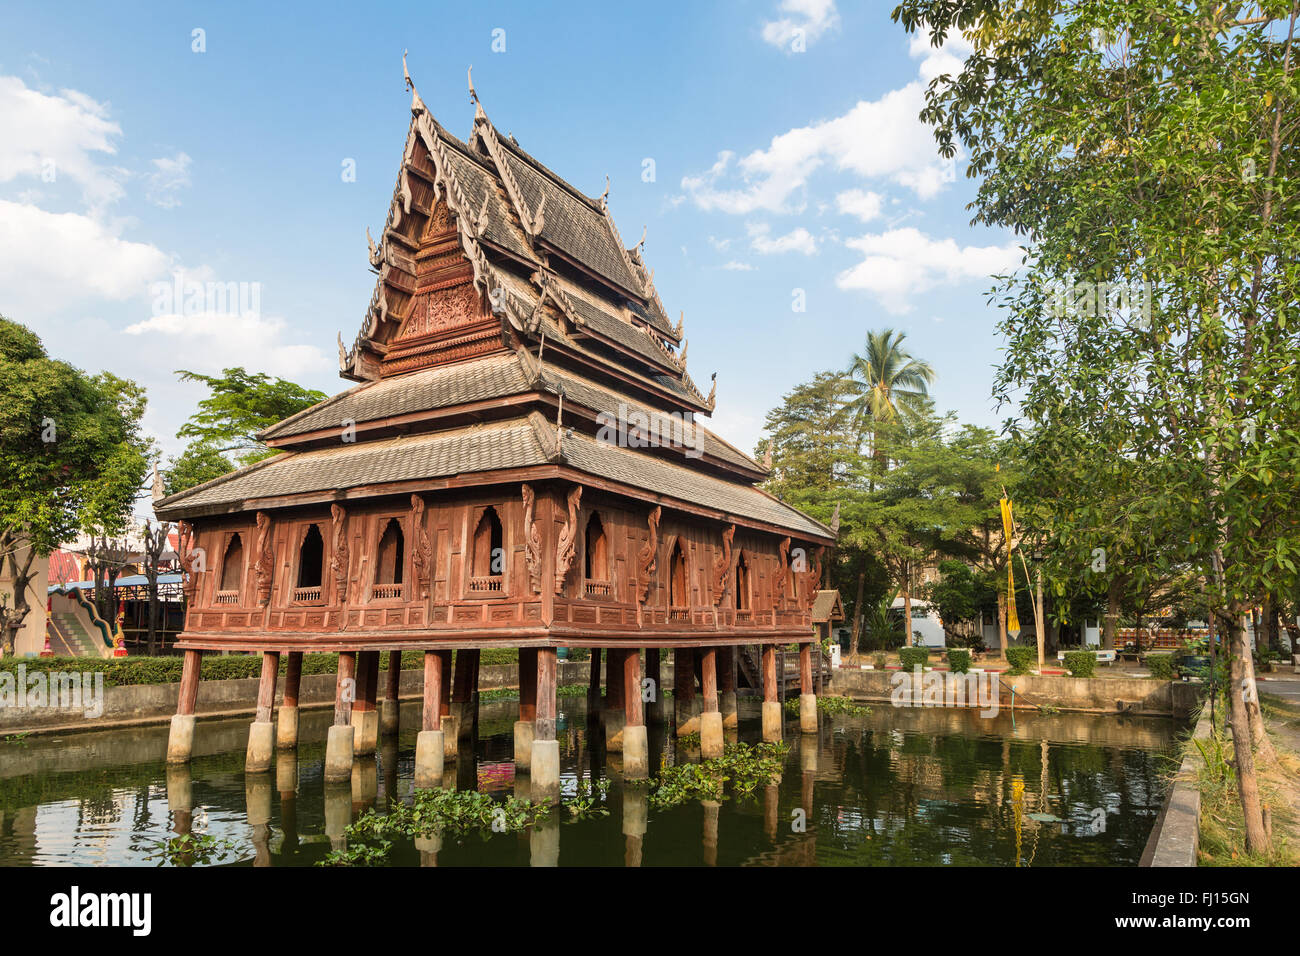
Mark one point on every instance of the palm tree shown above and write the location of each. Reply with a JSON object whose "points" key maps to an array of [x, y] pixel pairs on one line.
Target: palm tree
{"points": [[885, 385]]}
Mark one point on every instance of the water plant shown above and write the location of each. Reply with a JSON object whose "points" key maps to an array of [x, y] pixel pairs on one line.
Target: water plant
{"points": [[744, 766], [189, 849]]}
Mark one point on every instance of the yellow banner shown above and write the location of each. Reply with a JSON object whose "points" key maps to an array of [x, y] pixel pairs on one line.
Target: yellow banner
{"points": [[1008, 530]]}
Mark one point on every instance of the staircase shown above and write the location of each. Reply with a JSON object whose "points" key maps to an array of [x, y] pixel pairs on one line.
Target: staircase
{"points": [[68, 637], [751, 669]]}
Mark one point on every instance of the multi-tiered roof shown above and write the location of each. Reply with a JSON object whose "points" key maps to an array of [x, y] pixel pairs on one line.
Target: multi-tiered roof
{"points": [[508, 316]]}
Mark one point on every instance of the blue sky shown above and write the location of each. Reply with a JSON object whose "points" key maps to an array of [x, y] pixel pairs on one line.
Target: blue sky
{"points": [[783, 146]]}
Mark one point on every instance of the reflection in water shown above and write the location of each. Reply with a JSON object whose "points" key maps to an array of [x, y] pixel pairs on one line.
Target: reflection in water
{"points": [[907, 786]]}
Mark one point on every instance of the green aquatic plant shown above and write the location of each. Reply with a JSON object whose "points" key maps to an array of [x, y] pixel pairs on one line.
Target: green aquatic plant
{"points": [[830, 705], [189, 849], [588, 801], [744, 766]]}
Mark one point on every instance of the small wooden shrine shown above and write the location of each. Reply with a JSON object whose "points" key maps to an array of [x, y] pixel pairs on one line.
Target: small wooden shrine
{"points": [[519, 465]]}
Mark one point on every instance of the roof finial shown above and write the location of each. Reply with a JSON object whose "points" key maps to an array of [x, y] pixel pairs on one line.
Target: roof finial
{"points": [[640, 242], [767, 455], [473, 96], [681, 326], [157, 490], [604, 197], [374, 253], [713, 391], [343, 354], [835, 520], [681, 359], [405, 75]]}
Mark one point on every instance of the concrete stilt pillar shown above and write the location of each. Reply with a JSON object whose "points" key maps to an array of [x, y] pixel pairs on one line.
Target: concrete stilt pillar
{"points": [[685, 703], [180, 739], [338, 810], [711, 740], [771, 703], [808, 694], [339, 742], [727, 688], [338, 753], [615, 699], [286, 721], [429, 744], [365, 717], [545, 764], [544, 842], [261, 735], [635, 805], [636, 742], [712, 809], [390, 715]]}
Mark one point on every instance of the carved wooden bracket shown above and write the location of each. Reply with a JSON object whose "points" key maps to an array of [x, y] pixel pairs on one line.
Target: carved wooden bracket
{"points": [[722, 567], [264, 567], [339, 553], [532, 541], [814, 577], [567, 549], [422, 555], [186, 555], [782, 573], [646, 559]]}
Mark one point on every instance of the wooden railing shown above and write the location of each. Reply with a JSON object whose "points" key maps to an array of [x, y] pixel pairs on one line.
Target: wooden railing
{"points": [[485, 583], [227, 597], [744, 616], [679, 614], [386, 592], [599, 589], [307, 595]]}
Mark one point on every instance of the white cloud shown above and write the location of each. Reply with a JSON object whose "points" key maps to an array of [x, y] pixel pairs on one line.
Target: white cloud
{"points": [[806, 21], [797, 240], [863, 204], [49, 261], [902, 263], [52, 138], [736, 266], [211, 341], [170, 175], [882, 138]]}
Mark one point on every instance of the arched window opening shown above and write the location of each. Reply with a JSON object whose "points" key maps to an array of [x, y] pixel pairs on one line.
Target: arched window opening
{"points": [[488, 561], [389, 561], [232, 571], [679, 601], [742, 588], [596, 560], [311, 560]]}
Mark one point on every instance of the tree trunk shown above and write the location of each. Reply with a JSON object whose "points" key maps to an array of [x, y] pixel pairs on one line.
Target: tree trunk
{"points": [[1258, 735], [907, 604], [857, 618], [1247, 784], [1002, 624], [1111, 620]]}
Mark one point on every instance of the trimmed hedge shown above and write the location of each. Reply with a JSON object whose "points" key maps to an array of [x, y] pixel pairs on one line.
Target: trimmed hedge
{"points": [[1021, 659], [1161, 666], [127, 671], [958, 660], [911, 657], [1080, 663]]}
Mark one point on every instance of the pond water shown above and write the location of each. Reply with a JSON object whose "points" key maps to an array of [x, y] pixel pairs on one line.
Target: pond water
{"points": [[892, 787]]}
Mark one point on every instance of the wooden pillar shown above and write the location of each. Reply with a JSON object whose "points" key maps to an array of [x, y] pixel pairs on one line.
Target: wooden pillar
{"points": [[432, 717], [544, 702], [367, 677], [726, 670], [189, 689], [394, 682], [805, 669], [463, 683], [684, 673], [652, 671], [446, 682], [345, 688], [615, 671], [593, 681], [633, 705], [292, 678], [769, 672], [709, 678], [528, 683], [266, 686]]}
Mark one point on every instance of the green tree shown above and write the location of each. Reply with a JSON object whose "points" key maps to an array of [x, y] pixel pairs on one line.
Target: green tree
{"points": [[72, 457], [1147, 152], [199, 462], [240, 405], [884, 385]]}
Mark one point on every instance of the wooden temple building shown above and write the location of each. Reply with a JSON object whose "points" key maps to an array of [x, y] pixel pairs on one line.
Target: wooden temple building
{"points": [[518, 465]]}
